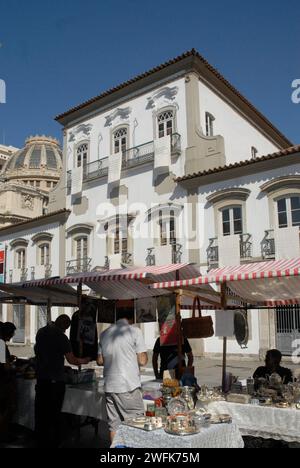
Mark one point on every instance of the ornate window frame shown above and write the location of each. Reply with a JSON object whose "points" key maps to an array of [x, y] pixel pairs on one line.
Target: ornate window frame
{"points": [[112, 136], [160, 111], [41, 239], [77, 231], [77, 146], [276, 189], [165, 214], [226, 199]]}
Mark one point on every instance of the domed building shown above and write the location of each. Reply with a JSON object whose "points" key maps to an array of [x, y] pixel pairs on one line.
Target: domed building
{"points": [[27, 179]]}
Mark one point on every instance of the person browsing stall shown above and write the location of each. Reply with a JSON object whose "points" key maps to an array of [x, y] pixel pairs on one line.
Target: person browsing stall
{"points": [[169, 357], [51, 349], [273, 361], [122, 351]]}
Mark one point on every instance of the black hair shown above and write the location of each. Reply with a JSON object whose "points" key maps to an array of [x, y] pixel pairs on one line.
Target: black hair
{"points": [[275, 354], [125, 313], [7, 329]]}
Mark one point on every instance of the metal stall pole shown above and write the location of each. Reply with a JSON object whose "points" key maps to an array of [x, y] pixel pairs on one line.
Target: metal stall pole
{"points": [[178, 295], [224, 364], [79, 303], [49, 311]]}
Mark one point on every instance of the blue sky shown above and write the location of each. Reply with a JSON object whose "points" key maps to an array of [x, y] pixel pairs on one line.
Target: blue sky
{"points": [[57, 53]]}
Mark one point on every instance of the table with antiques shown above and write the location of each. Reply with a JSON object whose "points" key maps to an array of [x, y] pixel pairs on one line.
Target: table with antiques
{"points": [[267, 422], [214, 436]]}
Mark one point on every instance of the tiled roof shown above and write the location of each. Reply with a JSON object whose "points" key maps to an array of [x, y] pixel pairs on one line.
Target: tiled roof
{"points": [[32, 220], [190, 53], [249, 162]]}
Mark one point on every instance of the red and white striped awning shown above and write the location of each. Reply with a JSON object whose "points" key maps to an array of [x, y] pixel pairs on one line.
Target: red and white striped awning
{"points": [[271, 283], [124, 283]]}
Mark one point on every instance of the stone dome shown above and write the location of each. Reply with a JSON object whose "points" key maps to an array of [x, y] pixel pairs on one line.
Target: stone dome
{"points": [[39, 152], [40, 160]]}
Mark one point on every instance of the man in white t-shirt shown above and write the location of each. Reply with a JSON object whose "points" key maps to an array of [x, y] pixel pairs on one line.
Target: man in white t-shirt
{"points": [[122, 351]]}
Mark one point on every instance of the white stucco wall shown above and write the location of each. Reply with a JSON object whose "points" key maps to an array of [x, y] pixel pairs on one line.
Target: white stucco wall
{"points": [[239, 134]]}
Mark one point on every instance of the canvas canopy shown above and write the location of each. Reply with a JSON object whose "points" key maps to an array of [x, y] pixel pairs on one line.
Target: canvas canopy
{"points": [[125, 283], [270, 284]]}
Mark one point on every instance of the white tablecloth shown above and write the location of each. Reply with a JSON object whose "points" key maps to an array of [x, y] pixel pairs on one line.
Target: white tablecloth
{"points": [[217, 436], [261, 421], [80, 400]]}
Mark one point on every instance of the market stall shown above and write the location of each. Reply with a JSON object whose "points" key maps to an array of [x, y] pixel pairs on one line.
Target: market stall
{"points": [[258, 286]]}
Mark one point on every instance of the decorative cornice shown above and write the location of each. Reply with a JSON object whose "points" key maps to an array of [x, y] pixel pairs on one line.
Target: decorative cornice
{"points": [[40, 220], [80, 228], [291, 181], [293, 150], [81, 130], [123, 114], [19, 243], [42, 236], [234, 193], [167, 93]]}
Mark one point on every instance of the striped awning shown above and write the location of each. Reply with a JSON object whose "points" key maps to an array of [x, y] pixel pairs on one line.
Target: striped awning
{"points": [[124, 283], [271, 283], [61, 295]]}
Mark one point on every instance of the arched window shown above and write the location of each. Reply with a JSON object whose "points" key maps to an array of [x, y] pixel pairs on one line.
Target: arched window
{"points": [[81, 247], [166, 124], [167, 228], [232, 220], [121, 237], [120, 140], [44, 254], [82, 155], [288, 211], [21, 259]]}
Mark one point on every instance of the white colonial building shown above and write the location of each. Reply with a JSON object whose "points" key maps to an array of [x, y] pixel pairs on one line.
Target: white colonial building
{"points": [[168, 167]]}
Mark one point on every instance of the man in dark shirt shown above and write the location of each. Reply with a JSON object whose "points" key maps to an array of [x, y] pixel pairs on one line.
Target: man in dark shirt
{"points": [[273, 360], [7, 382], [51, 349], [169, 357]]}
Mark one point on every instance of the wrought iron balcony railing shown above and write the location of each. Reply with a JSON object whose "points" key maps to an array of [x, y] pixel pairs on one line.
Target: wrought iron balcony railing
{"points": [[268, 245], [24, 273], [213, 250], [132, 157], [79, 265], [150, 259], [127, 258], [43, 271], [176, 252], [246, 246], [213, 253]]}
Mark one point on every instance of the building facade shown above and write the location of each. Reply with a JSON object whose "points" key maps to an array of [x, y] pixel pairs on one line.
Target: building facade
{"points": [[213, 203]]}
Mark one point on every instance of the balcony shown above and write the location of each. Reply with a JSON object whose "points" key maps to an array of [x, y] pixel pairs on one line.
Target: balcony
{"points": [[80, 265], [150, 259], [175, 257], [268, 245], [127, 259], [213, 254], [41, 272], [23, 274], [246, 246], [132, 157]]}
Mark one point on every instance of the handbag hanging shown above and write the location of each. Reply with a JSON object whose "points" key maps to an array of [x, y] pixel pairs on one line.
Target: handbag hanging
{"points": [[197, 327]]}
